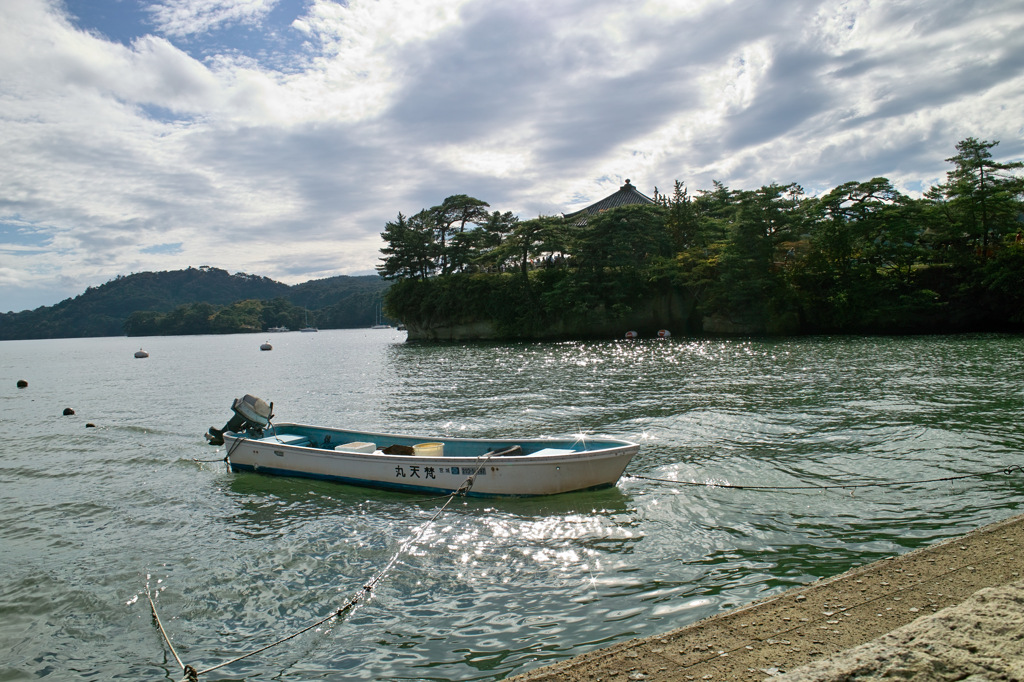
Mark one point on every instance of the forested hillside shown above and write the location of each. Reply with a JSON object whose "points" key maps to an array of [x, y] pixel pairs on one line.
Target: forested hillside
{"points": [[861, 258], [199, 301]]}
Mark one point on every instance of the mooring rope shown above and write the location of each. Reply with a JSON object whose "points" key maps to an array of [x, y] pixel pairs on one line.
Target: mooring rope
{"points": [[1007, 470], [480, 463], [234, 446], [192, 675], [227, 455]]}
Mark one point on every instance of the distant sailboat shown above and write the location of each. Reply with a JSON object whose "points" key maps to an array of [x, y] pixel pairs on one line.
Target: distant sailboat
{"points": [[379, 324], [307, 328]]}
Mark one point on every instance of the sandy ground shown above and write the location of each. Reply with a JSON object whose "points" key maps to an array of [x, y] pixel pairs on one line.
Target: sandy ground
{"points": [[952, 611]]}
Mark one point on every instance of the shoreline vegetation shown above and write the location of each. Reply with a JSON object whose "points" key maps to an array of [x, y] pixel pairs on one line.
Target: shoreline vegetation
{"points": [[861, 259]]}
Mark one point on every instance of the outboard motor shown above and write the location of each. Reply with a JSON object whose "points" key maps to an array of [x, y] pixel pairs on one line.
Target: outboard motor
{"points": [[252, 415]]}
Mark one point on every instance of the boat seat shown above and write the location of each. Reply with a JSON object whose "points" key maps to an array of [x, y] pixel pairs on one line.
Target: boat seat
{"points": [[552, 451], [357, 446], [287, 439]]}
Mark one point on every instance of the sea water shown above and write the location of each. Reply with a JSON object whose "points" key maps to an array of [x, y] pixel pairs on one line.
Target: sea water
{"points": [[733, 496]]}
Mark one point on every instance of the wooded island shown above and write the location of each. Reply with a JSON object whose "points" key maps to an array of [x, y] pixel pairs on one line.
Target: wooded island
{"points": [[862, 258]]}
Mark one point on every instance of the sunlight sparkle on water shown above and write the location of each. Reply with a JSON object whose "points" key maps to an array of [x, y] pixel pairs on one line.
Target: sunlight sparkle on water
{"points": [[493, 588]]}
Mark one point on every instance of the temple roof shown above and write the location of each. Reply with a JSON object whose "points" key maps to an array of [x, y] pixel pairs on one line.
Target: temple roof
{"points": [[627, 194]]}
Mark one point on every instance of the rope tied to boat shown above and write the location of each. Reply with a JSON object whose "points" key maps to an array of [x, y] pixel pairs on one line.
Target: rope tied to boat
{"points": [[238, 440], [1006, 470], [481, 462], [227, 454], [192, 675]]}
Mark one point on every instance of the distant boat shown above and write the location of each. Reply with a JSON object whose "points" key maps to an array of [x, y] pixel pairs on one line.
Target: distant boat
{"points": [[307, 328], [379, 324], [266, 346], [141, 354], [432, 466], [278, 329]]}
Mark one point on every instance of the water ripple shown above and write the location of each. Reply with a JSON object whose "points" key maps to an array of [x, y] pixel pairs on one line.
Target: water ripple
{"points": [[92, 517]]}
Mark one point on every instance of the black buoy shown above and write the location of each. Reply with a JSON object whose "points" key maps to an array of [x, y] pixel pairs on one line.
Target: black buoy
{"points": [[22, 383], [90, 425], [68, 410]]}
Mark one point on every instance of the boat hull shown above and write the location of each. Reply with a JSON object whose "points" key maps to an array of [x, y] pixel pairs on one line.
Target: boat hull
{"points": [[546, 467]]}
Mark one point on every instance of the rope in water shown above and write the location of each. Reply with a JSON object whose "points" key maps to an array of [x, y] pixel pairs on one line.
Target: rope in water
{"points": [[1007, 470], [227, 455], [189, 671], [192, 675]]}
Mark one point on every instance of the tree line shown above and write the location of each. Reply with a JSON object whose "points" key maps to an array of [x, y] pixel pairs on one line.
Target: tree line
{"points": [[205, 318], [863, 257], [352, 306]]}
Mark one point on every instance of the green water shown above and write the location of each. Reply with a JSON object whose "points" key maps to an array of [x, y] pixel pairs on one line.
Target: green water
{"points": [[90, 516]]}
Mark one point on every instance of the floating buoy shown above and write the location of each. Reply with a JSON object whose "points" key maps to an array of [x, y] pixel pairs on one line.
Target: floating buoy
{"points": [[266, 346], [90, 425], [67, 411], [664, 334], [630, 335], [141, 354], [22, 383]]}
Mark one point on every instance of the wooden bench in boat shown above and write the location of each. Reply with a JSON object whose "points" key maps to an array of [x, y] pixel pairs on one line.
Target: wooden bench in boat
{"points": [[286, 439]]}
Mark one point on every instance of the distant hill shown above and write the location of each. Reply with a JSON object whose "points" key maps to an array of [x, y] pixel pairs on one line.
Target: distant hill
{"points": [[332, 303]]}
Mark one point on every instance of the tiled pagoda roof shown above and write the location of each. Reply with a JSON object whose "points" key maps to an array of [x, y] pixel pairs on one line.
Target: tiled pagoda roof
{"points": [[627, 194]]}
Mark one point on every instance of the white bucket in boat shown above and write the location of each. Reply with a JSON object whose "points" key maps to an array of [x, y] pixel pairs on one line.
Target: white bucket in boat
{"points": [[429, 449]]}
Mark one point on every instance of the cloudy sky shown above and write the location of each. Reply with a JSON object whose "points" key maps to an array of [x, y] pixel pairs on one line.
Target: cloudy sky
{"points": [[276, 137]]}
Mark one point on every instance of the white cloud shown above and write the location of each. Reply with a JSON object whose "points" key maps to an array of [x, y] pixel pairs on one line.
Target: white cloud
{"points": [[187, 17], [112, 149]]}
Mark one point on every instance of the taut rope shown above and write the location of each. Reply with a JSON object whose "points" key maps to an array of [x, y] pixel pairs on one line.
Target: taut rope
{"points": [[192, 675]]}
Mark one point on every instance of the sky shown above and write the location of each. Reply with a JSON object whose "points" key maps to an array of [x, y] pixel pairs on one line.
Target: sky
{"points": [[277, 137]]}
